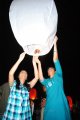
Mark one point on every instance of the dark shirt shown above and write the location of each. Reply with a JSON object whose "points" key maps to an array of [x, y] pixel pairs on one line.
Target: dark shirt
{"points": [[4, 93]]}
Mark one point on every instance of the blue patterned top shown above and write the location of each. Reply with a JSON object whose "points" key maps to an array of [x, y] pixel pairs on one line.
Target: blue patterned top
{"points": [[18, 107]]}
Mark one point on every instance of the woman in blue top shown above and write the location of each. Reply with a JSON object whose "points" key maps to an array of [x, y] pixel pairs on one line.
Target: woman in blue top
{"points": [[56, 107], [18, 107]]}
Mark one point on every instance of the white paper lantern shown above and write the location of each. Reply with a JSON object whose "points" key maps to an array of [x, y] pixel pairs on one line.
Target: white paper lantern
{"points": [[34, 24]]}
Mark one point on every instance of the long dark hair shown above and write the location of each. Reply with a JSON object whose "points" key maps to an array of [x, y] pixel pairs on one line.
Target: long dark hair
{"points": [[25, 84]]}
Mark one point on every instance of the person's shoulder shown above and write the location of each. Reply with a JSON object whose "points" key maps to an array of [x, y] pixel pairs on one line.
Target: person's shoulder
{"points": [[13, 84], [6, 84]]}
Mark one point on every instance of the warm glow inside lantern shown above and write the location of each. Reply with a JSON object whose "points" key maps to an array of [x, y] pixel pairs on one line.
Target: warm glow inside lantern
{"points": [[34, 24], [33, 94]]}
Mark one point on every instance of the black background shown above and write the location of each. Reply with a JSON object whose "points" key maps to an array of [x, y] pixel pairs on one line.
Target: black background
{"points": [[68, 34]]}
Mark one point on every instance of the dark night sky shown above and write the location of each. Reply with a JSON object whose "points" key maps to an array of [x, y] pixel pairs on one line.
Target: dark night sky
{"points": [[68, 33]]}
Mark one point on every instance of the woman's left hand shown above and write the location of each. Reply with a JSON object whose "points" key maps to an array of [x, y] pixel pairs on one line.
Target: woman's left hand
{"points": [[35, 59]]}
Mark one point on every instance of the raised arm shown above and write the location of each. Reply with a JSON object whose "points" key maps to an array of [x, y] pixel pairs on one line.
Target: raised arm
{"points": [[55, 57], [40, 70], [55, 51], [14, 68], [33, 82]]}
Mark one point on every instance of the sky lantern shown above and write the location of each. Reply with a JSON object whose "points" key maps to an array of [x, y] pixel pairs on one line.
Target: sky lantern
{"points": [[33, 94], [70, 101], [34, 24]]}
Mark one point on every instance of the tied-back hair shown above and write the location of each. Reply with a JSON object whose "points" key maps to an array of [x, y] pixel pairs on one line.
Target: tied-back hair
{"points": [[25, 84]]}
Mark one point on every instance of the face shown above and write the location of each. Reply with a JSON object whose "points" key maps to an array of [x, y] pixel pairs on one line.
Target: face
{"points": [[23, 76], [51, 72], [44, 89]]}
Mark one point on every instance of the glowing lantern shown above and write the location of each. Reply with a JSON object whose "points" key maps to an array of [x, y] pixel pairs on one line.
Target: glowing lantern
{"points": [[70, 102], [33, 94], [34, 24]]}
